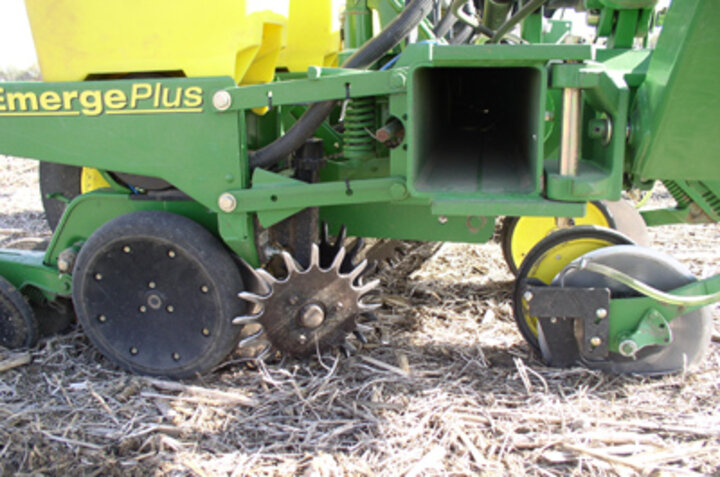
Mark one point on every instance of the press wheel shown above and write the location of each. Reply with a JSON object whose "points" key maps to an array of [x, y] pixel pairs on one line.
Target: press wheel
{"points": [[691, 333], [18, 325], [156, 293], [548, 258]]}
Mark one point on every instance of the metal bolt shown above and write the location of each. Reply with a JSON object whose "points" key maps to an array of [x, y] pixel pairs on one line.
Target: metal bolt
{"points": [[312, 315], [171, 253], [170, 308], [204, 289], [302, 339], [98, 276], [528, 296], [339, 305], [601, 313], [133, 350], [628, 348], [143, 308], [553, 320], [176, 356], [151, 285], [205, 332], [293, 300], [443, 220], [102, 318], [126, 249], [227, 202], [596, 341], [222, 100], [63, 265]]}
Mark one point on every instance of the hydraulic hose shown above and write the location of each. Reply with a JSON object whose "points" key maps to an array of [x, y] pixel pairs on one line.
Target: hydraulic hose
{"points": [[370, 52], [521, 14]]}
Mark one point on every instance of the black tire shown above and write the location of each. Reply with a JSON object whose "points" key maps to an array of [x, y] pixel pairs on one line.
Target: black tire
{"points": [[539, 252], [58, 179], [18, 326], [148, 286]]}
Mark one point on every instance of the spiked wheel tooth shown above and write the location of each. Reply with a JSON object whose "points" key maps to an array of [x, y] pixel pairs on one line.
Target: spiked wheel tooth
{"points": [[267, 277], [348, 263], [338, 260], [247, 319], [342, 235], [365, 307], [361, 337], [290, 264], [249, 339], [314, 256], [251, 297], [369, 286], [324, 239], [347, 349], [356, 272], [370, 317], [265, 353], [361, 328]]}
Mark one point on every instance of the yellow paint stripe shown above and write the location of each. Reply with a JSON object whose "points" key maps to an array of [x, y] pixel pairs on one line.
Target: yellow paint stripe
{"points": [[154, 111], [43, 113]]}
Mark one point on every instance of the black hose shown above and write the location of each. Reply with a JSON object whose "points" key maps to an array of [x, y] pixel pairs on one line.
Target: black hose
{"points": [[463, 35], [521, 14], [370, 52], [445, 24]]}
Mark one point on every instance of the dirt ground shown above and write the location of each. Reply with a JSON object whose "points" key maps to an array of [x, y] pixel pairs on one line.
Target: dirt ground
{"points": [[445, 386]]}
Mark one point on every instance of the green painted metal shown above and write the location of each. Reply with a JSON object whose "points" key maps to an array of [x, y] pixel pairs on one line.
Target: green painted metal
{"points": [[26, 269], [358, 23], [275, 197], [626, 314], [86, 213], [674, 113], [653, 330]]}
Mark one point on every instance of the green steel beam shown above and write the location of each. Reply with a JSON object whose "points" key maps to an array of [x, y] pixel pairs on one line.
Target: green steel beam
{"points": [[27, 269]]}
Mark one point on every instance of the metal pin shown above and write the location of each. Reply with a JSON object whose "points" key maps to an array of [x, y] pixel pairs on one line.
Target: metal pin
{"points": [[151, 285], [204, 289], [170, 308], [98, 276], [143, 308], [205, 332], [176, 356], [102, 318], [171, 253], [126, 249], [133, 350]]}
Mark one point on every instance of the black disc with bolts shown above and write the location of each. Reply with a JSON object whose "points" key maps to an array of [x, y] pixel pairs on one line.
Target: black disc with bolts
{"points": [[155, 292], [18, 326]]}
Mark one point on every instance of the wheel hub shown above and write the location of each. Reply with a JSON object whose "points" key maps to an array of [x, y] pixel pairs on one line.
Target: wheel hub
{"points": [[311, 315]]}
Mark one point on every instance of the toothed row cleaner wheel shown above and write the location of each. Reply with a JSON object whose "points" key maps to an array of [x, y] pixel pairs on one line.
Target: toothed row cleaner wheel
{"points": [[311, 308]]}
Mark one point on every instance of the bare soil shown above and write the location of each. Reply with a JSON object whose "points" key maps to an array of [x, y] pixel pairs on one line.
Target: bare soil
{"points": [[445, 386]]}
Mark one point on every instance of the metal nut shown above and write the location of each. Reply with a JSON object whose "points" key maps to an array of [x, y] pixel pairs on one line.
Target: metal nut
{"points": [[222, 100], [227, 202], [601, 313], [596, 341], [528, 296]]}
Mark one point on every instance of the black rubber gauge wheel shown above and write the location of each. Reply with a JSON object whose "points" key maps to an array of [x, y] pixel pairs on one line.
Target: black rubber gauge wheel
{"points": [[156, 293], [548, 258], [18, 326], [691, 333]]}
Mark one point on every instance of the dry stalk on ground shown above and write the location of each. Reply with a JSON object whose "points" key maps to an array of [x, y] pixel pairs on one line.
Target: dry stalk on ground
{"points": [[445, 386]]}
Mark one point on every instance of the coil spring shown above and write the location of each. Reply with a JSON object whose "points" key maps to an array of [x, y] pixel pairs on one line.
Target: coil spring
{"points": [[359, 121]]}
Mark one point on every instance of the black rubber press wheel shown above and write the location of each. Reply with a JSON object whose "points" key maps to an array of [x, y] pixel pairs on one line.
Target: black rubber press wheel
{"points": [[18, 326], [691, 332], [156, 293]]}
